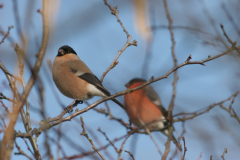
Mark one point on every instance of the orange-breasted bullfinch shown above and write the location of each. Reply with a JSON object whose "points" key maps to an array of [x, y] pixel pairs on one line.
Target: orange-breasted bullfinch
{"points": [[144, 106], [74, 79]]}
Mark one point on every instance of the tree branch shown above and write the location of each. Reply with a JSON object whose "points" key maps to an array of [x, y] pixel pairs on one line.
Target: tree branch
{"points": [[187, 62], [84, 133], [198, 113], [5, 36], [14, 116], [115, 12]]}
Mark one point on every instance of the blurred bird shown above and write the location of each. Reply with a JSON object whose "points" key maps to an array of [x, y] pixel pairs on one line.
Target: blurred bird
{"points": [[74, 79], [144, 106]]}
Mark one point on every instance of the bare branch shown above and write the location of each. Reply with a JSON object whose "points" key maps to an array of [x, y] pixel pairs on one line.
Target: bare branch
{"points": [[84, 133], [179, 138], [112, 144], [229, 40], [28, 146], [212, 22], [235, 26], [115, 12], [230, 110], [58, 141], [5, 36], [21, 152], [171, 105], [225, 151], [200, 156], [121, 148], [21, 69], [185, 148], [198, 113], [130, 154], [111, 117], [3, 121], [8, 134], [2, 96], [98, 141], [187, 62], [16, 95], [179, 27]]}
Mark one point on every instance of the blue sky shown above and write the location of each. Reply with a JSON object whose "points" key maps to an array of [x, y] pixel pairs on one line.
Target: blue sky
{"points": [[90, 29]]}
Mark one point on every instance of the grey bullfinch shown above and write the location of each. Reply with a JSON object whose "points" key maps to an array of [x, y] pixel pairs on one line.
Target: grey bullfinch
{"points": [[144, 106], [74, 79]]}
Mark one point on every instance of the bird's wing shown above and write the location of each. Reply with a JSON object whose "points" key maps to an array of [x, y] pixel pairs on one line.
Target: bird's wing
{"points": [[153, 97], [78, 67], [92, 79], [86, 74]]}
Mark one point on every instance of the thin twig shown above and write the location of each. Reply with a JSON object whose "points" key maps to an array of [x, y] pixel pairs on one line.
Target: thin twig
{"points": [[2, 96], [5, 36], [130, 154], [212, 22], [198, 112], [101, 148], [115, 12], [8, 136], [230, 110], [3, 121], [121, 148], [84, 133], [229, 40], [8, 73], [47, 146], [179, 138], [185, 148], [179, 27], [235, 25], [97, 140], [187, 62], [28, 147], [200, 156], [21, 70], [4, 106], [99, 129], [16, 95], [17, 21], [61, 147], [58, 141], [225, 151], [171, 105], [111, 117], [20, 152]]}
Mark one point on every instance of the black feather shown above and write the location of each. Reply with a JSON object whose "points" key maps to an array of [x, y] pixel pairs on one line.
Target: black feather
{"points": [[92, 79]]}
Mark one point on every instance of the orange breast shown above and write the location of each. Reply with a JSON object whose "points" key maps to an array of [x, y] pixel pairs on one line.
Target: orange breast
{"points": [[138, 103]]}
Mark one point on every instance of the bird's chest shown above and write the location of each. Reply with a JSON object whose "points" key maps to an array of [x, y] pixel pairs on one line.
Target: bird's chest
{"points": [[68, 83], [141, 110]]}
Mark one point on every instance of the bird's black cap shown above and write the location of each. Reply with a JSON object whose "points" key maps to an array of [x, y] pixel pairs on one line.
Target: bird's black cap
{"points": [[65, 50]]}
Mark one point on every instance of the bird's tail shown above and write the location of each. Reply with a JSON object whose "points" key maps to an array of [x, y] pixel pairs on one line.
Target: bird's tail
{"points": [[118, 103]]}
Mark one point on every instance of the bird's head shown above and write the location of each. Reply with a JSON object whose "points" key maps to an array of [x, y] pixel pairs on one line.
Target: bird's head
{"points": [[65, 50]]}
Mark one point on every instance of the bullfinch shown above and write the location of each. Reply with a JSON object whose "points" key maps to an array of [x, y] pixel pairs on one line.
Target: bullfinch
{"points": [[74, 79], [144, 106]]}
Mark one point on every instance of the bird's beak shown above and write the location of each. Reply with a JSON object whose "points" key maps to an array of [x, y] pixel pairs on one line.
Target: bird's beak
{"points": [[60, 52], [127, 85]]}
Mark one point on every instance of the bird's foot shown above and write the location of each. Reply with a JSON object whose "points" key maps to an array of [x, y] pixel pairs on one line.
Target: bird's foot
{"points": [[69, 108], [78, 102]]}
